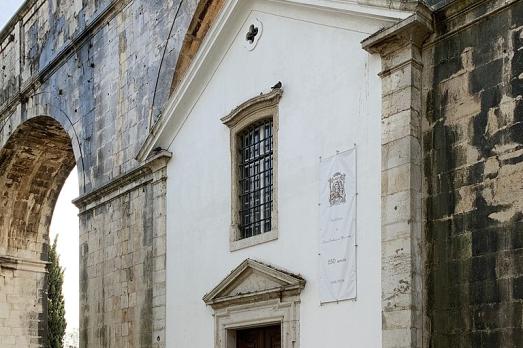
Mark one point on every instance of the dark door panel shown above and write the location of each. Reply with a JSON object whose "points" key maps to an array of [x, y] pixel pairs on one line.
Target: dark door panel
{"points": [[260, 337]]}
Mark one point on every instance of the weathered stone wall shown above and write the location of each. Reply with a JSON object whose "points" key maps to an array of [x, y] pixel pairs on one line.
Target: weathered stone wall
{"points": [[473, 164], [95, 67], [438, 3], [400, 48], [122, 268], [22, 304]]}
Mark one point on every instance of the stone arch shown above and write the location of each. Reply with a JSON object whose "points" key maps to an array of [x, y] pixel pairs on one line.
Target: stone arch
{"points": [[34, 164], [36, 107]]}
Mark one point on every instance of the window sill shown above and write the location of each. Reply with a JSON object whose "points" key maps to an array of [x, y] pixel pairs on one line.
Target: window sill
{"points": [[252, 241]]}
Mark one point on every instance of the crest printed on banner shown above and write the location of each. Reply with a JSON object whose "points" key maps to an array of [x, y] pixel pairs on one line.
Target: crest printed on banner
{"points": [[337, 189]]}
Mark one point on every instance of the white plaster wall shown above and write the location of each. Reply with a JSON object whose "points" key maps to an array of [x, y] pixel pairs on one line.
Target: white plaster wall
{"points": [[331, 101]]}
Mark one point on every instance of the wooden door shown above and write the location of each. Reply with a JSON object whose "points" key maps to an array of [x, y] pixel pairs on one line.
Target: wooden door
{"points": [[260, 337]]}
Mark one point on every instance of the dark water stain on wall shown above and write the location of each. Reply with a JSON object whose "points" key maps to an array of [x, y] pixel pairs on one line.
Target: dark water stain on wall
{"points": [[474, 173], [84, 286], [146, 313]]}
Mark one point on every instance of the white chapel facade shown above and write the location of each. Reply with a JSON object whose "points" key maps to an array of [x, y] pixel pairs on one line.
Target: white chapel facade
{"points": [[275, 90]]}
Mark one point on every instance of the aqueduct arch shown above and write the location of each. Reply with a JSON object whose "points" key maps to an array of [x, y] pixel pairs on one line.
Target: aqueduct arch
{"points": [[34, 163], [107, 66], [103, 69]]}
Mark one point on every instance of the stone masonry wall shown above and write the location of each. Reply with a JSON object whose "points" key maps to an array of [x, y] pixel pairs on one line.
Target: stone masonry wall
{"points": [[401, 191], [22, 303], [95, 66], [473, 164], [122, 269]]}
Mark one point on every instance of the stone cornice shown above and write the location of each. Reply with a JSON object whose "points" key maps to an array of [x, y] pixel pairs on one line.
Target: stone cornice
{"points": [[454, 17], [404, 5], [412, 30], [124, 183], [14, 263], [453, 9]]}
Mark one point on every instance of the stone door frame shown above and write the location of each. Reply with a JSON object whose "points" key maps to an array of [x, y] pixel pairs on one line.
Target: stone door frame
{"points": [[256, 294]]}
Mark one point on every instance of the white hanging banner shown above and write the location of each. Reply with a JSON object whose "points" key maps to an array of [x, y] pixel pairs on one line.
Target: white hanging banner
{"points": [[337, 249]]}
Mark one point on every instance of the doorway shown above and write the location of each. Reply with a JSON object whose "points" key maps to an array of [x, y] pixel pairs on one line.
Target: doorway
{"points": [[259, 337]]}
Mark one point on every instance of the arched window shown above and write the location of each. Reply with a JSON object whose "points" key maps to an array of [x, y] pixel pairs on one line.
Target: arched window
{"points": [[254, 128]]}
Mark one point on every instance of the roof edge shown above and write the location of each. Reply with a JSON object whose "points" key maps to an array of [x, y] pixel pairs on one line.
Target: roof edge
{"points": [[177, 107]]}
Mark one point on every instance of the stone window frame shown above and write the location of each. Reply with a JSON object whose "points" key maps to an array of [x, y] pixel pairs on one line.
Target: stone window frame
{"points": [[261, 107]]}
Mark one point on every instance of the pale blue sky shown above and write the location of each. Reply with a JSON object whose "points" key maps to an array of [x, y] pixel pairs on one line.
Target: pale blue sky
{"points": [[65, 218], [7, 10]]}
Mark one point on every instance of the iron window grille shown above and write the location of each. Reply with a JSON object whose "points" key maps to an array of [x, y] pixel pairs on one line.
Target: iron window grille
{"points": [[256, 170]]}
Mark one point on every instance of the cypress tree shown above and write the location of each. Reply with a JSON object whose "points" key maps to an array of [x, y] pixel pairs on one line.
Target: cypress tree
{"points": [[55, 301]]}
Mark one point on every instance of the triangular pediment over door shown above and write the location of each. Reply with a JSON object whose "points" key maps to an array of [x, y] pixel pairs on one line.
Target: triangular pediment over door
{"points": [[254, 281]]}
